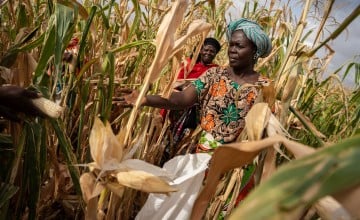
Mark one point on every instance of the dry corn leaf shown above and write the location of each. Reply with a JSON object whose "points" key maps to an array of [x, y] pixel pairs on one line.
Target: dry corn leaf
{"points": [[105, 148], [143, 181], [107, 154], [196, 27], [89, 187], [329, 208], [164, 47], [240, 154], [141, 165], [165, 38], [153, 5], [6, 75], [307, 180], [25, 67], [273, 128], [144, 2], [115, 187], [90, 190], [309, 124], [288, 92], [256, 121], [220, 163], [349, 198]]}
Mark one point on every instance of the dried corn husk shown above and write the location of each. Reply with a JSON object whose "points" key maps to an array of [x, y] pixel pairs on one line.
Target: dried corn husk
{"points": [[143, 181], [105, 148], [107, 154]]}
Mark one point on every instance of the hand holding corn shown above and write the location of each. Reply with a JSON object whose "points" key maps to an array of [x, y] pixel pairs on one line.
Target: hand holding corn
{"points": [[15, 100]]}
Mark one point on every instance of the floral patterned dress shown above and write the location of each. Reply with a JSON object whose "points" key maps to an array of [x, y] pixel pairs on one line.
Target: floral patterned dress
{"points": [[224, 105]]}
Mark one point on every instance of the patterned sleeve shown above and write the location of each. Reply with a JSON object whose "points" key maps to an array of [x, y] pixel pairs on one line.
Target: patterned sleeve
{"points": [[202, 84]]}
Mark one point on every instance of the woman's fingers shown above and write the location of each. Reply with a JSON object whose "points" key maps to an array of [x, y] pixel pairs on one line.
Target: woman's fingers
{"points": [[123, 104], [125, 90], [118, 99], [124, 99], [129, 97]]}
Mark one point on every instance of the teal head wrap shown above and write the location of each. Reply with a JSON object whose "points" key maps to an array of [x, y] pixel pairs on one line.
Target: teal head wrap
{"points": [[253, 32]]}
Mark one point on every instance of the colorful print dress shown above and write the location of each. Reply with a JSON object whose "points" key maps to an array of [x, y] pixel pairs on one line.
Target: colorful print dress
{"points": [[224, 105]]}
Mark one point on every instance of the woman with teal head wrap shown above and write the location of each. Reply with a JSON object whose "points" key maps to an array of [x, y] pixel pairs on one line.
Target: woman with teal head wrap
{"points": [[254, 33], [224, 96], [222, 113], [222, 110]]}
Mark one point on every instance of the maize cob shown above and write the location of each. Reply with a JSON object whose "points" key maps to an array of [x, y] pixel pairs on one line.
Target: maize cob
{"points": [[48, 107]]}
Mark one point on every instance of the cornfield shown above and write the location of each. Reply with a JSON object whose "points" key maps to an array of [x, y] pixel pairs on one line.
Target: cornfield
{"points": [[52, 168]]}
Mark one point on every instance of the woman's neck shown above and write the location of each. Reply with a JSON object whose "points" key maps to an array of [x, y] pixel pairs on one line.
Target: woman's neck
{"points": [[205, 64], [244, 75]]}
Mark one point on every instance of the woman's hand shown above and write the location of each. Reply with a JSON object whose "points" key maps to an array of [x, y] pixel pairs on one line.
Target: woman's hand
{"points": [[128, 98], [15, 100]]}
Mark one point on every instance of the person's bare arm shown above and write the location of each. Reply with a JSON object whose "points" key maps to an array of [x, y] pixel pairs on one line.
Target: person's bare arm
{"points": [[14, 100], [177, 100]]}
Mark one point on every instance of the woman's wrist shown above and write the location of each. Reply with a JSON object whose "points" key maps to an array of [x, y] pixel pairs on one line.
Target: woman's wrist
{"points": [[144, 101]]}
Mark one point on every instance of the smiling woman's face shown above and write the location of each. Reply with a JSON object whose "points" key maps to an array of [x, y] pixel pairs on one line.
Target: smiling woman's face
{"points": [[207, 54], [241, 51]]}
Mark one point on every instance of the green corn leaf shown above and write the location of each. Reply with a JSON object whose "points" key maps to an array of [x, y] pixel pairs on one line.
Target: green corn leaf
{"points": [[300, 183], [46, 52], [22, 18], [136, 23], [66, 148], [84, 98], [64, 23], [131, 45], [7, 191], [110, 91], [32, 166], [84, 35]]}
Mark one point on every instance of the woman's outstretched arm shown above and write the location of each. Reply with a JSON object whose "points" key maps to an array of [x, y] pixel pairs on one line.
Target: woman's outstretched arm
{"points": [[176, 101]]}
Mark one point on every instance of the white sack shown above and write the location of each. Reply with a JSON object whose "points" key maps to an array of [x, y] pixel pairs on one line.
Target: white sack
{"points": [[187, 174]]}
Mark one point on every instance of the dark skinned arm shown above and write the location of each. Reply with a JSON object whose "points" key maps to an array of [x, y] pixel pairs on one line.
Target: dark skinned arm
{"points": [[14, 100], [176, 101]]}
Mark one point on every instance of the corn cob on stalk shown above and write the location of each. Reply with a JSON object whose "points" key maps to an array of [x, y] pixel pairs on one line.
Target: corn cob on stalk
{"points": [[48, 107]]}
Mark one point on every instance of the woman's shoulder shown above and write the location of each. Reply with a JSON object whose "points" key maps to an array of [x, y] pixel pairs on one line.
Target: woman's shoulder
{"points": [[212, 75], [220, 70], [214, 71]]}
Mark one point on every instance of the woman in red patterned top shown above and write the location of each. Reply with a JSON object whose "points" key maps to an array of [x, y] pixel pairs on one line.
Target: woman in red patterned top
{"points": [[204, 61], [186, 120]]}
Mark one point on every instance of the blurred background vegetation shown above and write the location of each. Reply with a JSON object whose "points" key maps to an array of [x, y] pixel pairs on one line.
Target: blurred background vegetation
{"points": [[112, 46]]}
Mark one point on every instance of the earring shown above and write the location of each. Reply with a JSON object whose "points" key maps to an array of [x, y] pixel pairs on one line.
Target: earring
{"points": [[256, 56]]}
